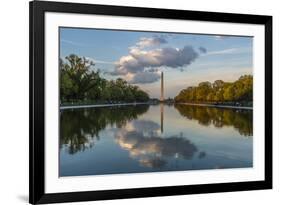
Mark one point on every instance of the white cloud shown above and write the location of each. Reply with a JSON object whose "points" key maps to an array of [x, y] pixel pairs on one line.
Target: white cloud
{"points": [[144, 77], [153, 41], [138, 59], [142, 65]]}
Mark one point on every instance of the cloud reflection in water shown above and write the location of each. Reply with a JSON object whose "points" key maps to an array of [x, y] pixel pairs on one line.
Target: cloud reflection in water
{"points": [[144, 142]]}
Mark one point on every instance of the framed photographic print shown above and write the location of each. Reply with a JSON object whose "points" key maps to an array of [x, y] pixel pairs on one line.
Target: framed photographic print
{"points": [[140, 102]]}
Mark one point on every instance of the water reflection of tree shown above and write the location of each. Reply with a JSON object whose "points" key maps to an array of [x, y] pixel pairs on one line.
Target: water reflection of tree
{"points": [[79, 128], [241, 120]]}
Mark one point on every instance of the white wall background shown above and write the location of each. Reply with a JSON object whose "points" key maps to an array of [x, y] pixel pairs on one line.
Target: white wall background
{"points": [[14, 44]]}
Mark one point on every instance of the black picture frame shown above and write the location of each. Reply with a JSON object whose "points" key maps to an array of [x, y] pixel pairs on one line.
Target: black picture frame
{"points": [[37, 194]]}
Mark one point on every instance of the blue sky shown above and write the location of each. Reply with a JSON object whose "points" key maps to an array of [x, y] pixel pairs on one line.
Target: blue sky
{"points": [[140, 57]]}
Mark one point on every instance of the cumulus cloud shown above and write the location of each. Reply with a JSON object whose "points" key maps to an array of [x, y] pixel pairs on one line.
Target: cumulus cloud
{"points": [[152, 41], [144, 77], [142, 65], [138, 59]]}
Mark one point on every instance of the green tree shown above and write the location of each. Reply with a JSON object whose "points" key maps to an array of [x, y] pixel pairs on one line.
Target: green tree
{"points": [[219, 92], [80, 82], [203, 90]]}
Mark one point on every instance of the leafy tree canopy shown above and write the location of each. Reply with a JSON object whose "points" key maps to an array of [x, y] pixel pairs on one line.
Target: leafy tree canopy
{"points": [[219, 92], [80, 82]]}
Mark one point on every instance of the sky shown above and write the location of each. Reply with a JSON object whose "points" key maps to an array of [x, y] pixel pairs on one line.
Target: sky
{"points": [[139, 57]]}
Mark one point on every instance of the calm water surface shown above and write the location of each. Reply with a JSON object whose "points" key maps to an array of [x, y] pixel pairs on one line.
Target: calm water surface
{"points": [[148, 138]]}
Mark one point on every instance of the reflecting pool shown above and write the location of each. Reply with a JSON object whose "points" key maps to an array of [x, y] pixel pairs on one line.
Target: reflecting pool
{"points": [[149, 138]]}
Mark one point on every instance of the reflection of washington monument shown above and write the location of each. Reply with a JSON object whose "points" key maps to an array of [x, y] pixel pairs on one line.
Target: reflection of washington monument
{"points": [[162, 100], [162, 116]]}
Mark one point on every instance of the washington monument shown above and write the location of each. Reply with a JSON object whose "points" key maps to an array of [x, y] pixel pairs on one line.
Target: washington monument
{"points": [[162, 100], [162, 87]]}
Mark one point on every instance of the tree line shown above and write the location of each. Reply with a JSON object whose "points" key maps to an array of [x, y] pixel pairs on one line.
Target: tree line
{"points": [[80, 82], [240, 91]]}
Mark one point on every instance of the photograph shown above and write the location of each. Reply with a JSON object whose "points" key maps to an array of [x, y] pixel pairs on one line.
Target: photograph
{"points": [[133, 101]]}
